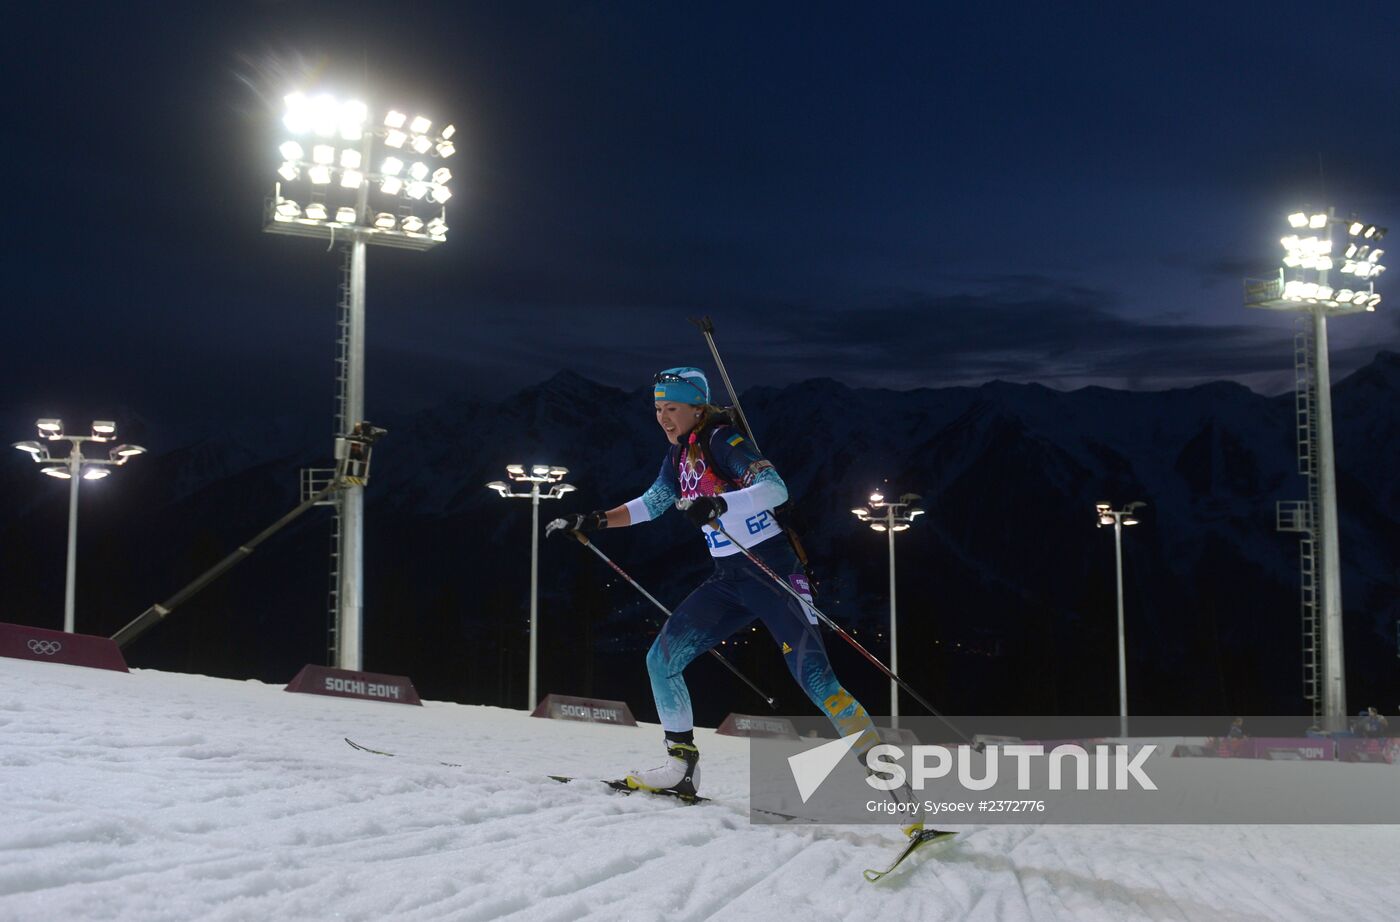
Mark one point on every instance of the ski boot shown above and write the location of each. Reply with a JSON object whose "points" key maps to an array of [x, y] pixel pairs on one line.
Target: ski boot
{"points": [[678, 776]]}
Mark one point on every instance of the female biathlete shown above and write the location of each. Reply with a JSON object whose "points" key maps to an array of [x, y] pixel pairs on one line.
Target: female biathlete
{"points": [[714, 475]]}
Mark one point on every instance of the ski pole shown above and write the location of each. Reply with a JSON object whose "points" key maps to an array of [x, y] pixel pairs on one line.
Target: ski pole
{"points": [[847, 637], [583, 539]]}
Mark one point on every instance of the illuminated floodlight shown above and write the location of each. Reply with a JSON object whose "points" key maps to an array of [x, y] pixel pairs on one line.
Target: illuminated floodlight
{"points": [[34, 448], [395, 138], [1298, 219], [1369, 232], [350, 158], [352, 120], [323, 153], [316, 211], [394, 119], [445, 149], [385, 220], [1355, 228], [319, 174], [1375, 255], [60, 472], [1324, 293], [298, 116], [345, 214], [103, 428], [1317, 221], [325, 115], [391, 185], [1361, 297], [95, 473], [420, 125], [422, 144], [1372, 302], [441, 194], [419, 170], [393, 166], [412, 223], [127, 451], [437, 227], [291, 150], [448, 131], [288, 208], [351, 179], [288, 171], [1344, 295], [442, 176], [416, 190], [515, 469], [50, 428]]}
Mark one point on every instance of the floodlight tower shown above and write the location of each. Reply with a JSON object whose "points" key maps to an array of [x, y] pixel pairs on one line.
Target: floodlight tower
{"points": [[539, 474], [1107, 515], [335, 161], [76, 467], [1320, 243], [891, 517]]}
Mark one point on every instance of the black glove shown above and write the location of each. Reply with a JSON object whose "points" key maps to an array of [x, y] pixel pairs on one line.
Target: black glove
{"points": [[704, 509], [592, 521]]}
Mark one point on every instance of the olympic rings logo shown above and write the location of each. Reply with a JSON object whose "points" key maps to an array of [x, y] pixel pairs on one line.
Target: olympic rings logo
{"points": [[691, 475], [45, 647]]}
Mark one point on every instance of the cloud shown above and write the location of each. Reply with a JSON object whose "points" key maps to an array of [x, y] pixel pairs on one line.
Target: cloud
{"points": [[1030, 329]]}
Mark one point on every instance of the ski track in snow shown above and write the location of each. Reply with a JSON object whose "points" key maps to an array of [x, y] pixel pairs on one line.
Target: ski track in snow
{"points": [[156, 796]]}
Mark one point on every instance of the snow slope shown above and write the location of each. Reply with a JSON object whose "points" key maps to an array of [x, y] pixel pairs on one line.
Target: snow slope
{"points": [[158, 796]]}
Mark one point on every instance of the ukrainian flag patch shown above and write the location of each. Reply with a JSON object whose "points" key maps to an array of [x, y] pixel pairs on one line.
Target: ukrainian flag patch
{"points": [[735, 440], [660, 392]]}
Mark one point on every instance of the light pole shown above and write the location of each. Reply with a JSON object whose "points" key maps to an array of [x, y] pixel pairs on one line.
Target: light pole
{"points": [[1118, 518], [538, 474], [324, 191], [891, 517], [75, 467], [1303, 286]]}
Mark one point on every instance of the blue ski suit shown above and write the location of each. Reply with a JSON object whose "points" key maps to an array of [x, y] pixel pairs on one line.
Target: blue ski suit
{"points": [[738, 591]]}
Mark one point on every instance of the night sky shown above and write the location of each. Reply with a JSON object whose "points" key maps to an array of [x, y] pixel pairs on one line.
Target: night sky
{"points": [[896, 196]]}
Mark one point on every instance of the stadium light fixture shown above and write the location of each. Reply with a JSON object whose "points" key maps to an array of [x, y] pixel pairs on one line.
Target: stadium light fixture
{"points": [[75, 467], [1303, 286], [539, 475], [1119, 518], [328, 153], [890, 518]]}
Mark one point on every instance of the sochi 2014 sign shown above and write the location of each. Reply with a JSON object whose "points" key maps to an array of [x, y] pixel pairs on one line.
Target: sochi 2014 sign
{"points": [[757, 725], [594, 710], [343, 683]]}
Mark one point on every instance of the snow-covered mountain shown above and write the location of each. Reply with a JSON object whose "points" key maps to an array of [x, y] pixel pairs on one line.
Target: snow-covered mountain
{"points": [[1006, 586]]}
